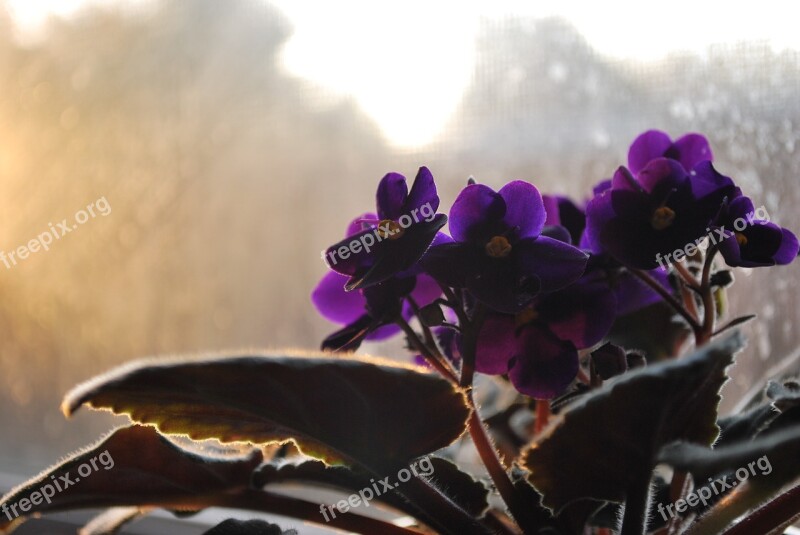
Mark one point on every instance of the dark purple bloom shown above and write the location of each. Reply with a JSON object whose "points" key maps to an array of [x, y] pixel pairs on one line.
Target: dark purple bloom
{"points": [[561, 211], [751, 240], [689, 150], [538, 347], [499, 253], [661, 210], [394, 241], [631, 293], [369, 313]]}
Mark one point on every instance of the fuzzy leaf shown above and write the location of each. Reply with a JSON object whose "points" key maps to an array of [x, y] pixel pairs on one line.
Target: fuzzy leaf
{"points": [[460, 487], [248, 527], [136, 466], [598, 444], [781, 449], [341, 410], [110, 521]]}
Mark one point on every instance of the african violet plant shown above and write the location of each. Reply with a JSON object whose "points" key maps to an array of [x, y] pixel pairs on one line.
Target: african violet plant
{"points": [[582, 312]]}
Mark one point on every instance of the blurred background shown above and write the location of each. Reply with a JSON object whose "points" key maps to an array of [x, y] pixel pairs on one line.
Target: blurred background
{"points": [[234, 140]]}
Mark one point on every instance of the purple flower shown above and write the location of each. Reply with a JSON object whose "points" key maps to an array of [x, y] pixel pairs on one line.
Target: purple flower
{"points": [[751, 240], [369, 313], [538, 347], [661, 210], [392, 242], [631, 294], [499, 253], [689, 150], [561, 211]]}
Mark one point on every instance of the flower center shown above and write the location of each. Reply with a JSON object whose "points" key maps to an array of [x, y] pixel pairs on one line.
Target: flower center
{"points": [[662, 217], [390, 229], [526, 316], [498, 247], [741, 238]]}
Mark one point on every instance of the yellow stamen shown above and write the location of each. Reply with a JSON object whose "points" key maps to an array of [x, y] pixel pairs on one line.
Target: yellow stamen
{"points": [[498, 247], [741, 238], [390, 229], [662, 217], [528, 315]]}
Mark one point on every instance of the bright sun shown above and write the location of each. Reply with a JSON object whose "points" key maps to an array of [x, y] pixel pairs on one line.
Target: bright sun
{"points": [[407, 64]]}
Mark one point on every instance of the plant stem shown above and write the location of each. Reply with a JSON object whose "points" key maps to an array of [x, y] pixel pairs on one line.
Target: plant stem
{"points": [[433, 358], [542, 415], [636, 501], [503, 484], [778, 513], [707, 329], [690, 279], [668, 297]]}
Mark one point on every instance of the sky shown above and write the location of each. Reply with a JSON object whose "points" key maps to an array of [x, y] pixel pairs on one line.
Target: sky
{"points": [[408, 63]]}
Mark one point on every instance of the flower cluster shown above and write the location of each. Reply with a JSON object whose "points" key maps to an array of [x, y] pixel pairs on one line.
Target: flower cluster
{"points": [[531, 283]]}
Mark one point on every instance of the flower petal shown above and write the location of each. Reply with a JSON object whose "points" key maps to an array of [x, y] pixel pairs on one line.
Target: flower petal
{"points": [[789, 248], [524, 208], [544, 365], [692, 149], [554, 263], [497, 344], [391, 196], [391, 257], [633, 294], [649, 145], [476, 213], [581, 313], [361, 223], [334, 303], [422, 193]]}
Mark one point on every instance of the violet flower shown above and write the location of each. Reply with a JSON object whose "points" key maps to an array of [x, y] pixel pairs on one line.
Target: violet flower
{"points": [[660, 210], [538, 347], [393, 242], [499, 254]]}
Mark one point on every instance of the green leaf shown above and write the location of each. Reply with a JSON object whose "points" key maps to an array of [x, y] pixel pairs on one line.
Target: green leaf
{"points": [[133, 466], [248, 527], [110, 521], [771, 460], [460, 487], [341, 410], [598, 446], [781, 448]]}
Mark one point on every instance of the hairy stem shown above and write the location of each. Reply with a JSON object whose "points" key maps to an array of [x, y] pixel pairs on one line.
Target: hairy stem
{"points": [[706, 292], [634, 521], [433, 357], [668, 297], [778, 513]]}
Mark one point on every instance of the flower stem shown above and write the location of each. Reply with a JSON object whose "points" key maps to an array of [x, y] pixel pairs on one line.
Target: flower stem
{"points": [[690, 279], [636, 501], [488, 454], [668, 297], [707, 328], [432, 357], [542, 415], [778, 513]]}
